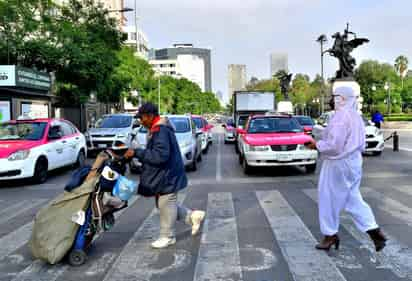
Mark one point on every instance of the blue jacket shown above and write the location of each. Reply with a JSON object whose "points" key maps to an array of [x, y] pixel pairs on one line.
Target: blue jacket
{"points": [[163, 171], [377, 118]]}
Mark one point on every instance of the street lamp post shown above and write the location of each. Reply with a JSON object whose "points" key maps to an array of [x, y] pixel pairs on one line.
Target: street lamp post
{"points": [[322, 39], [388, 89]]}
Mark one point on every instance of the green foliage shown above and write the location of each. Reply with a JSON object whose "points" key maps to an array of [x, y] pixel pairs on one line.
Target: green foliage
{"points": [[78, 42]]}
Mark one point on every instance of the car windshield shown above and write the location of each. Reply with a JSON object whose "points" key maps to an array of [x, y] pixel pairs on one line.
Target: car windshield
{"points": [[114, 121], [22, 131], [274, 125], [305, 120], [198, 122], [181, 124]]}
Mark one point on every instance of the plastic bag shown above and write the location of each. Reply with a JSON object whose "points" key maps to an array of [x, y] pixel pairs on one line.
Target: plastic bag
{"points": [[124, 188]]}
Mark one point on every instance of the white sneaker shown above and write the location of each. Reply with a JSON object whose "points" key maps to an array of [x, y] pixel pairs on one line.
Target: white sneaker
{"points": [[163, 242], [197, 218]]}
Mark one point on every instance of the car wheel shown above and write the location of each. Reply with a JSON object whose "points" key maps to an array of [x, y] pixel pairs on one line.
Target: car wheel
{"points": [[226, 142], [246, 168], [40, 171], [193, 166], [310, 169], [81, 159], [377, 153]]}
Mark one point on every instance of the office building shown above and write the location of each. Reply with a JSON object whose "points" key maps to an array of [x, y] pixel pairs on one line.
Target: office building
{"points": [[236, 78], [184, 60]]}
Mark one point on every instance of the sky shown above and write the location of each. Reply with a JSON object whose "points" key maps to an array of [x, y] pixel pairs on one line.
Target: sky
{"points": [[247, 31]]}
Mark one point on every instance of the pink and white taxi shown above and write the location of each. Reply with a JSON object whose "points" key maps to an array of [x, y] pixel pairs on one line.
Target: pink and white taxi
{"points": [[31, 148], [275, 140]]}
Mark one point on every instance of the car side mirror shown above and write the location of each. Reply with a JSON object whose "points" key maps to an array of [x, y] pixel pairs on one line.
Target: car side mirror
{"points": [[55, 135], [241, 131], [136, 124]]}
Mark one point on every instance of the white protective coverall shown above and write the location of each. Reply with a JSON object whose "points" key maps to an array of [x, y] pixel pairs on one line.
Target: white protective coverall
{"points": [[341, 147]]}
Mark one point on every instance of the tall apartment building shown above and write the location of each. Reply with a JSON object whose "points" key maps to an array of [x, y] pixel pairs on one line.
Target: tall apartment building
{"points": [[183, 60], [278, 61], [142, 46], [111, 5], [236, 78]]}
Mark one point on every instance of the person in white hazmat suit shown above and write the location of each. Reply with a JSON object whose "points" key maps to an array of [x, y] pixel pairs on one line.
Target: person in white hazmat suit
{"points": [[341, 147]]}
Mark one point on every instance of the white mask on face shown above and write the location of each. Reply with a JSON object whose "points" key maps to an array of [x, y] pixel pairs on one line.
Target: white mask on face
{"points": [[339, 102]]}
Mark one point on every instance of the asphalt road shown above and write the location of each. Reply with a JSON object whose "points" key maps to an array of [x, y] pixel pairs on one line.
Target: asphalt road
{"points": [[261, 227]]}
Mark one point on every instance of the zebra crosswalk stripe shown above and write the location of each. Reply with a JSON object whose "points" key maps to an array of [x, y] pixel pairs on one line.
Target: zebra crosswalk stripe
{"points": [[218, 257], [40, 270], [396, 256], [295, 241], [14, 240], [134, 261], [19, 208]]}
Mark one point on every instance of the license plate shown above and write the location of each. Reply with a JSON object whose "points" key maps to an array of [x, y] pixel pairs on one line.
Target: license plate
{"points": [[284, 157], [101, 145]]}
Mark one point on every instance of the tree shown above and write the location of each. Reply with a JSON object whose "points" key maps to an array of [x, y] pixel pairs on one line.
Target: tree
{"points": [[371, 76], [78, 42], [401, 66]]}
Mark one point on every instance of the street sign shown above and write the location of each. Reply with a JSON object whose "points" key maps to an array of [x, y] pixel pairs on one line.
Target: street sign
{"points": [[17, 76]]}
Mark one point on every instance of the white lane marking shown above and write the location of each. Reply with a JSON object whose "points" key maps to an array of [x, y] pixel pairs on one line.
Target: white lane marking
{"points": [[14, 240], [396, 256], [40, 270], [19, 208], [295, 241], [137, 258], [390, 206], [268, 259], [100, 266], [218, 257], [219, 159]]}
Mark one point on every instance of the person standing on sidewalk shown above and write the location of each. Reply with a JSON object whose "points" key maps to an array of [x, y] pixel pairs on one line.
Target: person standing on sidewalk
{"points": [[163, 175], [377, 118], [341, 148]]}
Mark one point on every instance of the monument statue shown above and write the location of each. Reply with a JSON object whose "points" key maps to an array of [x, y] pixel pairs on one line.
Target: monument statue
{"points": [[342, 47], [285, 85]]}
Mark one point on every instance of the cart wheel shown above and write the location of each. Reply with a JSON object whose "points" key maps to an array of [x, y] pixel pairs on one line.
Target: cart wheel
{"points": [[77, 257]]}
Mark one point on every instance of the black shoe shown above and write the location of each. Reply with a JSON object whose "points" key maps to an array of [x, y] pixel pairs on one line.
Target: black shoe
{"points": [[378, 238], [329, 241]]}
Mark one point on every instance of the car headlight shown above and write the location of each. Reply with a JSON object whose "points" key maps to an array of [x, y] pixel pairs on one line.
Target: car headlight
{"points": [[302, 147], [259, 148], [19, 155], [120, 136], [185, 143]]}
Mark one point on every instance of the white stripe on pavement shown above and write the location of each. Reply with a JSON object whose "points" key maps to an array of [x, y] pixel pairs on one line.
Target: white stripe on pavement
{"points": [[41, 271], [19, 208], [296, 242], [219, 159], [396, 256], [136, 260], [219, 257], [14, 240], [390, 206]]}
